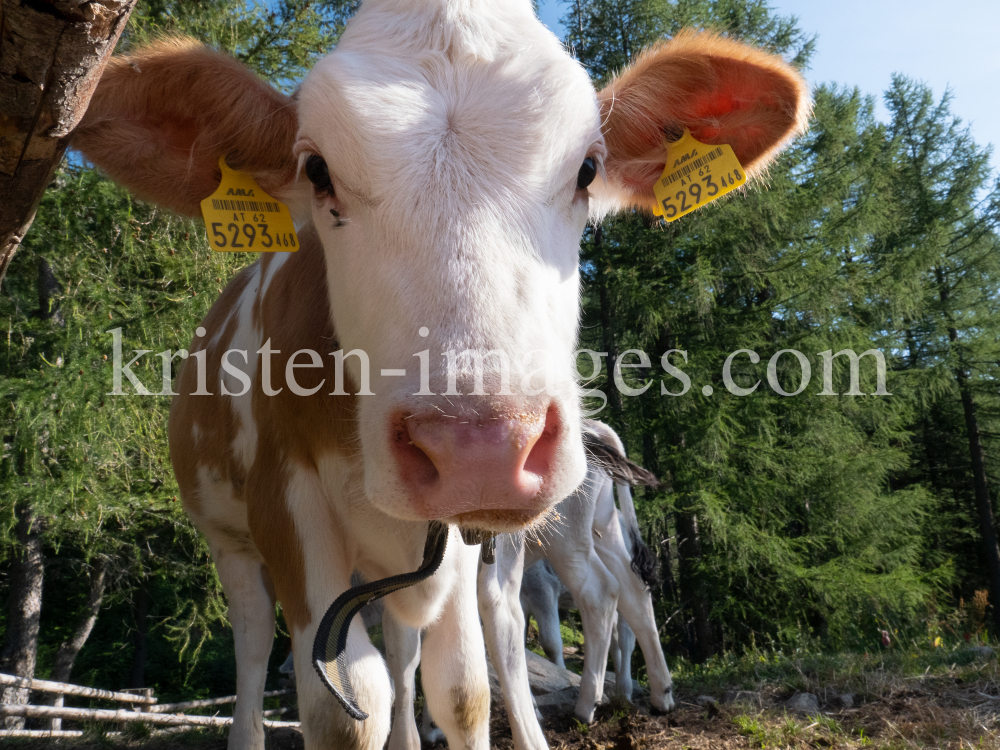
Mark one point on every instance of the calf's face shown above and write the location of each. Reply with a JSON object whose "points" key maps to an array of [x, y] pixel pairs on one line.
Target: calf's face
{"points": [[451, 187], [449, 162]]}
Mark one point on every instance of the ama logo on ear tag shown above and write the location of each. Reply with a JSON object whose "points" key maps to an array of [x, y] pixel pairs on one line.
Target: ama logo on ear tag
{"points": [[695, 174], [241, 218]]}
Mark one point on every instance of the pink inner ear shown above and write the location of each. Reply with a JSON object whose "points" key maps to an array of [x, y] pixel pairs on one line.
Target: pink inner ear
{"points": [[721, 103], [177, 133]]}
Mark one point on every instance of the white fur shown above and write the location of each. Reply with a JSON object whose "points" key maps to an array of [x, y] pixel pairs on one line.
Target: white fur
{"points": [[454, 133]]}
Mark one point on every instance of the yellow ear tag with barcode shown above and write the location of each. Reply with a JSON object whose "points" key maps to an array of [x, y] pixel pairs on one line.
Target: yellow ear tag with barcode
{"points": [[241, 218], [696, 174]]}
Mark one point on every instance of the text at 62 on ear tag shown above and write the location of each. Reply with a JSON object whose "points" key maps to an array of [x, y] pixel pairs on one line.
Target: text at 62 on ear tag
{"points": [[241, 218], [696, 174]]}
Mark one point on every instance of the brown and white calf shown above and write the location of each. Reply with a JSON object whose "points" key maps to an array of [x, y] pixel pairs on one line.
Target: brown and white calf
{"points": [[455, 152]]}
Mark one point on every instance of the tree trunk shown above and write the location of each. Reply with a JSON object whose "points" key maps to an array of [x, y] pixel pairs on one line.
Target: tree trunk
{"points": [[984, 504], [689, 553], [651, 461], [24, 608], [68, 650], [137, 675], [52, 54], [608, 334]]}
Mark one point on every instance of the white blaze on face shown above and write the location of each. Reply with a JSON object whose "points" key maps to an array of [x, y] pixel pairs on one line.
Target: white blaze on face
{"points": [[454, 147]]}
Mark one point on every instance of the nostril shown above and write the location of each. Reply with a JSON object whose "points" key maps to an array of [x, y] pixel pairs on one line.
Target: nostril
{"points": [[416, 467], [543, 453]]}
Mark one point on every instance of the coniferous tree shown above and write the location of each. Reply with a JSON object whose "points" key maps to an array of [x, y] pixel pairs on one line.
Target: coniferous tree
{"points": [[777, 504], [85, 474], [944, 248]]}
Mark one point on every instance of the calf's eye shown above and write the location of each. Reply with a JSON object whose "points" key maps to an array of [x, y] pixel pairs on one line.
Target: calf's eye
{"points": [[319, 174], [587, 173]]}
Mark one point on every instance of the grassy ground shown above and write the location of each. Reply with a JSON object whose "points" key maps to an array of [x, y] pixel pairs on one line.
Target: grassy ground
{"points": [[903, 699]]}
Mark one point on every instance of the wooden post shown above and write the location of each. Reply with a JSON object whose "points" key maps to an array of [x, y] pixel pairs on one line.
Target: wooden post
{"points": [[52, 54], [58, 703]]}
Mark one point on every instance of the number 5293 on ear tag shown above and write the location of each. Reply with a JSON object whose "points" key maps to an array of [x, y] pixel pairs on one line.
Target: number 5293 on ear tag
{"points": [[241, 217], [696, 174]]}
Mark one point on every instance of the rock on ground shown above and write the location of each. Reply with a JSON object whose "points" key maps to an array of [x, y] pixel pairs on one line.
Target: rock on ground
{"points": [[545, 677], [805, 703], [845, 700]]}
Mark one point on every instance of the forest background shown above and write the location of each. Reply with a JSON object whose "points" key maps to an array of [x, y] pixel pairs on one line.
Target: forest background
{"points": [[784, 523]]}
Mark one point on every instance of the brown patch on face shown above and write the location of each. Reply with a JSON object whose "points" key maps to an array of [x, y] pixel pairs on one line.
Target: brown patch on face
{"points": [[472, 708]]}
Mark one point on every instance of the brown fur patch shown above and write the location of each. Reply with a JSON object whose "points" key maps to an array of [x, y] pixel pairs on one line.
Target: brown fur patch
{"points": [[723, 91], [472, 708], [212, 415], [295, 314], [291, 429], [273, 530], [162, 116]]}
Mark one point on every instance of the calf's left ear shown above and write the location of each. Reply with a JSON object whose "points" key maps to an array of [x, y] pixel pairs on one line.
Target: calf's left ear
{"points": [[723, 91]]}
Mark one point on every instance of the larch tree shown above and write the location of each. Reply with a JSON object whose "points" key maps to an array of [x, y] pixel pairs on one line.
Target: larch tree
{"points": [[945, 248]]}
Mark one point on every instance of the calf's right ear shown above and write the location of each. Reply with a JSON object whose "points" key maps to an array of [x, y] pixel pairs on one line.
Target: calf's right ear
{"points": [[162, 116]]}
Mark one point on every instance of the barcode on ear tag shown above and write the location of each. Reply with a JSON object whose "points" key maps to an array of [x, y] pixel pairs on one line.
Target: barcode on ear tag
{"points": [[241, 218], [695, 174]]}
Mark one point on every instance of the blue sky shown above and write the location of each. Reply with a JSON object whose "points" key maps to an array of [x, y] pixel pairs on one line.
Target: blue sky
{"points": [[862, 44]]}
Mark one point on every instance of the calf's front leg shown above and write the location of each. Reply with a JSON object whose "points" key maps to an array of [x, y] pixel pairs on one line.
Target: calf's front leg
{"points": [[503, 624], [453, 671], [251, 614], [402, 655]]}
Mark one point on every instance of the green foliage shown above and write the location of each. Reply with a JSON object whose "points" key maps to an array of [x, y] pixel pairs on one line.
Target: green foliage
{"points": [[812, 512], [281, 40], [818, 519], [95, 466]]}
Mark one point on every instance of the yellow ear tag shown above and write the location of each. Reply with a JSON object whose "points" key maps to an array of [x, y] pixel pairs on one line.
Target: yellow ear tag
{"points": [[696, 174], [241, 218]]}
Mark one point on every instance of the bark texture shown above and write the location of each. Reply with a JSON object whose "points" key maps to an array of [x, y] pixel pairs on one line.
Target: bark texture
{"points": [[984, 503], [608, 336], [137, 674], [24, 608], [689, 553], [68, 650], [52, 54]]}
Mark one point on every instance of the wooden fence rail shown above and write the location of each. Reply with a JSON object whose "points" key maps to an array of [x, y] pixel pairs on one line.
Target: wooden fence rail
{"points": [[45, 686], [143, 708], [122, 715], [169, 708]]}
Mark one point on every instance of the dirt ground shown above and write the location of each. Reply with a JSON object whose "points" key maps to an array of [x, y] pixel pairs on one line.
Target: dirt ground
{"points": [[932, 713]]}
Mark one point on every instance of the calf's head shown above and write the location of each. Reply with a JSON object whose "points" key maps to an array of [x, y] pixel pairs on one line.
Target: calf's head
{"points": [[448, 159]]}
